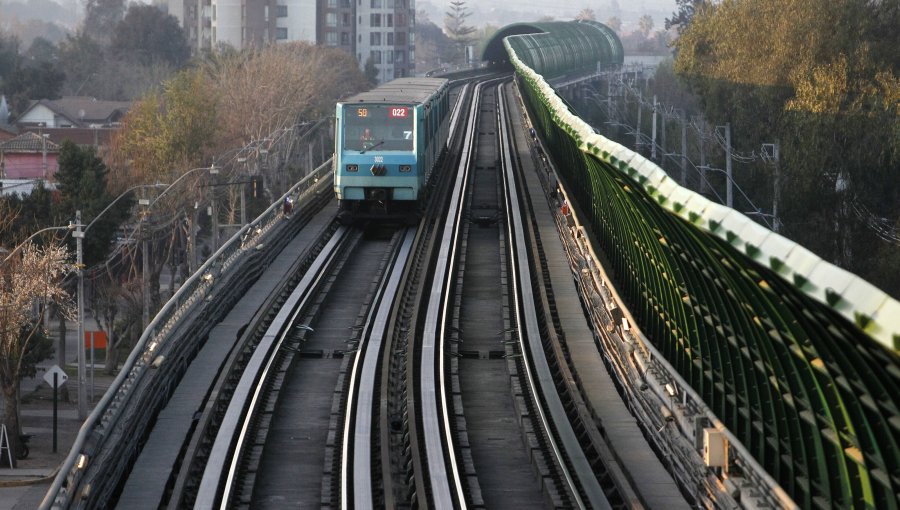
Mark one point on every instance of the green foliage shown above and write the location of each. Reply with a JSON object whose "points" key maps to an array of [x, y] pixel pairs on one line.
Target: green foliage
{"points": [[42, 51], [820, 77], [168, 132], [371, 72], [433, 47], [42, 80], [9, 57], [682, 17], [148, 35], [82, 186], [101, 17], [34, 76], [457, 30], [38, 348], [190, 114], [81, 56], [30, 214]]}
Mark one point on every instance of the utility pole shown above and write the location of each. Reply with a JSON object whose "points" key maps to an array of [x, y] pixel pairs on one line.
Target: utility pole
{"points": [[609, 107], [729, 197], [662, 139], [637, 132], [214, 209], [192, 256], [683, 149], [44, 154], [145, 259], [243, 205], [653, 135], [704, 183], [79, 264], [776, 191]]}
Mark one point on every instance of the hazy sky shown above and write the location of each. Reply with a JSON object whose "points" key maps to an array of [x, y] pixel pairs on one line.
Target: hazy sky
{"points": [[509, 11]]}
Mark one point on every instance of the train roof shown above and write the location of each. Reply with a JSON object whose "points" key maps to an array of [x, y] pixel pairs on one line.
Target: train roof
{"points": [[401, 90]]}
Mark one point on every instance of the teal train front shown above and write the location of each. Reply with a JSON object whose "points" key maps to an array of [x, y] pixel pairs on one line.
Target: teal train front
{"points": [[388, 142]]}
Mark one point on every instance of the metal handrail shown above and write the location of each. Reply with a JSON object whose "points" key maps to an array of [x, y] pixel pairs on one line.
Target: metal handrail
{"points": [[108, 410]]}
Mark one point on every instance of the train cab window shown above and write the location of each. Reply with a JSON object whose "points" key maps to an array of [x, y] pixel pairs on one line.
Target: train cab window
{"points": [[378, 127]]}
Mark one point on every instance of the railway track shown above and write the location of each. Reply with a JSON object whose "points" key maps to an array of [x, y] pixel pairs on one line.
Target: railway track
{"points": [[565, 485], [445, 453], [408, 367]]}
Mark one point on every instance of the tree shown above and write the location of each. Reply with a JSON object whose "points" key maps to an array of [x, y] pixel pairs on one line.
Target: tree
{"points": [[24, 79], [9, 58], [586, 15], [614, 9], [646, 25], [457, 29], [433, 47], [682, 17], [615, 24], [101, 18], [277, 86], [31, 276], [81, 182], [148, 35], [81, 57], [116, 305], [820, 77], [167, 132], [371, 72], [41, 80], [42, 51]]}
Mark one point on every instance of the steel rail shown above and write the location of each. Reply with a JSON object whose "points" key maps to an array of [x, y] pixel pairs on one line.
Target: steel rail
{"points": [[435, 415], [227, 447], [531, 342], [358, 417], [107, 413]]}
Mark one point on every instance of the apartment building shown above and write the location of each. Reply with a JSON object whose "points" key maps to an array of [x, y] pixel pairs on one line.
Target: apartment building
{"points": [[381, 30], [385, 33]]}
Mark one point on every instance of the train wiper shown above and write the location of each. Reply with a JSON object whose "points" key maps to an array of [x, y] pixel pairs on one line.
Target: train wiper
{"points": [[372, 147]]}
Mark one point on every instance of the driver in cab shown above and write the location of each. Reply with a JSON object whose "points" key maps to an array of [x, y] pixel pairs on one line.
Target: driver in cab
{"points": [[366, 141]]}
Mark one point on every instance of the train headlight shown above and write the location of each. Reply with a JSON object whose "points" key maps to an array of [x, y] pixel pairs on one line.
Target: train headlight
{"points": [[406, 168], [352, 168]]}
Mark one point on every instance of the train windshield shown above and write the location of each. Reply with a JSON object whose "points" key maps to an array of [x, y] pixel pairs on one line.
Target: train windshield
{"points": [[378, 127]]}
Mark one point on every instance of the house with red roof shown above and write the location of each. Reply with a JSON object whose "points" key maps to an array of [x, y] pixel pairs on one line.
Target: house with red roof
{"points": [[28, 156]]}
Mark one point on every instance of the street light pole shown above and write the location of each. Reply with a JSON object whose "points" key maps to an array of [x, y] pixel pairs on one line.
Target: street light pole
{"points": [[214, 210], [79, 234], [21, 245], [79, 265], [729, 200], [145, 262]]}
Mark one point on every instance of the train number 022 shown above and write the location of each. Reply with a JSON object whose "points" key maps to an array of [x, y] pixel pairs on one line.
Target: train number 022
{"points": [[398, 112]]}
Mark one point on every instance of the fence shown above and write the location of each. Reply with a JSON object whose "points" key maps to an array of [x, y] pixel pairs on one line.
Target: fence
{"points": [[795, 356]]}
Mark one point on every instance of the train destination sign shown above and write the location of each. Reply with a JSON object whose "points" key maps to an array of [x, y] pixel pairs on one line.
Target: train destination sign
{"points": [[399, 112]]}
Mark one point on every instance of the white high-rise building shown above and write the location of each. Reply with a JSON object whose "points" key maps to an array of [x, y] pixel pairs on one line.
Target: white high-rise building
{"points": [[384, 34], [381, 30]]}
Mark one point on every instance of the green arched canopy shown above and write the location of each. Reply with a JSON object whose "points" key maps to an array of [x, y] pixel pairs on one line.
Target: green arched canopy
{"points": [[555, 48]]}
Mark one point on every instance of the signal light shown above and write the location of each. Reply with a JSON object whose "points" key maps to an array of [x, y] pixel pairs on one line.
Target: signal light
{"points": [[352, 168]]}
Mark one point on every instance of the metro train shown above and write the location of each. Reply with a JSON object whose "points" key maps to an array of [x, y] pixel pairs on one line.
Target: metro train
{"points": [[388, 142]]}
